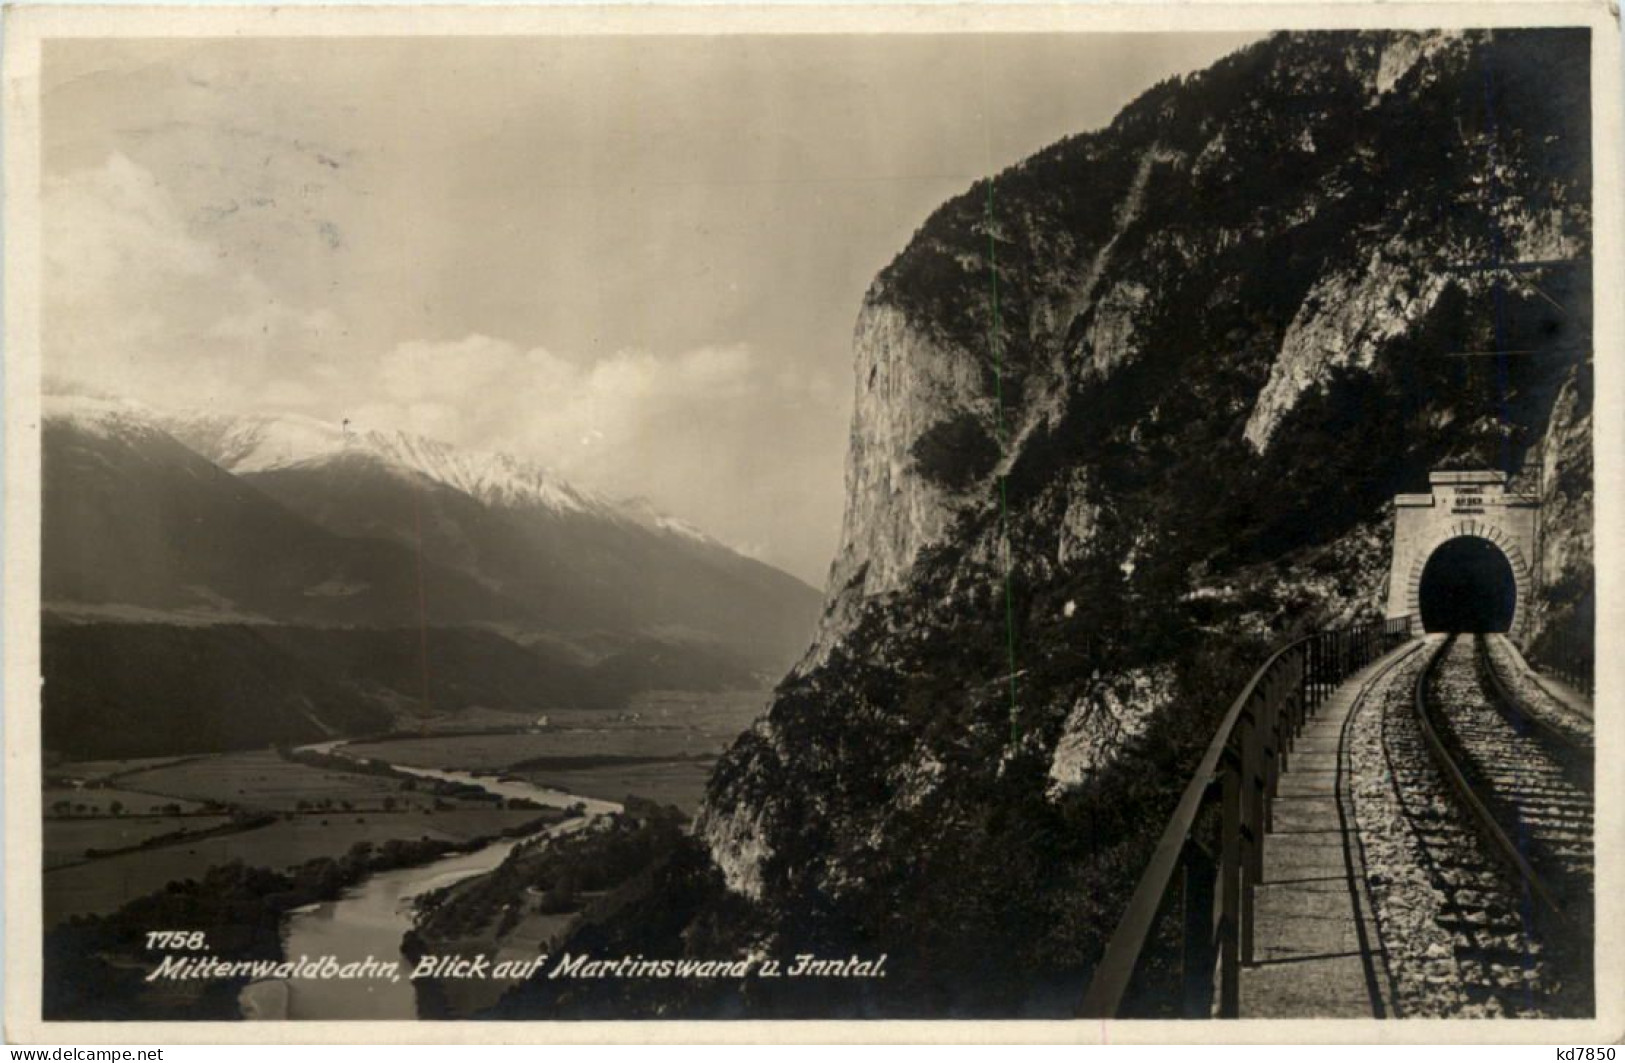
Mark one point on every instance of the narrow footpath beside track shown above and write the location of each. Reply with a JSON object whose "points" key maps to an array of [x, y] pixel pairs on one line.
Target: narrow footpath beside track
{"points": [[1319, 954]]}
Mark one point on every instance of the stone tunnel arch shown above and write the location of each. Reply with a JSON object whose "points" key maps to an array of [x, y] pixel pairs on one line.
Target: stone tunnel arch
{"points": [[1467, 585], [1471, 504], [1462, 537]]}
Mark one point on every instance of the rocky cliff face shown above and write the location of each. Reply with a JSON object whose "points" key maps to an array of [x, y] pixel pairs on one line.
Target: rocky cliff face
{"points": [[1127, 413], [1567, 599], [1144, 393]]}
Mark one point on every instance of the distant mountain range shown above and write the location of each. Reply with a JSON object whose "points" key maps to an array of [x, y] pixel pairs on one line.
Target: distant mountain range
{"points": [[210, 521]]}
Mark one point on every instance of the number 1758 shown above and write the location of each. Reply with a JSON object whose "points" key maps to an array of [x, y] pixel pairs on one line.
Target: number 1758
{"points": [[192, 940]]}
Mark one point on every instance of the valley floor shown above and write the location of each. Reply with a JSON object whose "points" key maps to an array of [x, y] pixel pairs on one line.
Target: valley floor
{"points": [[124, 831]]}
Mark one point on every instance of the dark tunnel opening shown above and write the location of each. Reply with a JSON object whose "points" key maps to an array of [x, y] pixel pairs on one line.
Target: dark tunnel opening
{"points": [[1467, 585]]}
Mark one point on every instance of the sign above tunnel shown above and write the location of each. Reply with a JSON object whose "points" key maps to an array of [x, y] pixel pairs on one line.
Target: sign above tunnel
{"points": [[1461, 505], [1467, 493]]}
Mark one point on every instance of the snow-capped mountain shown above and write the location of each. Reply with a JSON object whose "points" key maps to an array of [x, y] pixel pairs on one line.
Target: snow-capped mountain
{"points": [[249, 444], [134, 519], [255, 443], [110, 419], [639, 510], [502, 540]]}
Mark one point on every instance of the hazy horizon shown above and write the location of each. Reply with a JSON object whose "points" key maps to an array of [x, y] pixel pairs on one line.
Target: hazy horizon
{"points": [[635, 260]]}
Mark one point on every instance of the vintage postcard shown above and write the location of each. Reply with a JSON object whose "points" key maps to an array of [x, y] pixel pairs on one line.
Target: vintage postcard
{"points": [[654, 522]]}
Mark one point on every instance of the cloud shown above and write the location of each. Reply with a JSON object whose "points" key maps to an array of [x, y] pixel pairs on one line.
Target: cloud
{"points": [[417, 370], [716, 435], [151, 302], [138, 303], [613, 422], [106, 222]]}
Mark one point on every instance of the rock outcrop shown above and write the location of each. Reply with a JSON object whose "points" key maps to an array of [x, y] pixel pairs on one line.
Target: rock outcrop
{"points": [[1128, 413]]}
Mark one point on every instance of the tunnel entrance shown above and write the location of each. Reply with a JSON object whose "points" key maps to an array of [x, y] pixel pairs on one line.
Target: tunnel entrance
{"points": [[1468, 585], [1466, 530]]}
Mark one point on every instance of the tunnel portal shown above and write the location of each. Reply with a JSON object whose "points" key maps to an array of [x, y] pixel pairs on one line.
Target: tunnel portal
{"points": [[1468, 585], [1462, 552]]}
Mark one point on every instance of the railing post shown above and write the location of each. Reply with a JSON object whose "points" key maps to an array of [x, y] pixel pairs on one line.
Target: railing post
{"points": [[1272, 751], [1323, 664], [1300, 677], [1320, 668], [1308, 676], [1230, 888], [1281, 728], [1241, 768], [1289, 709], [1303, 691], [1198, 952], [1252, 822]]}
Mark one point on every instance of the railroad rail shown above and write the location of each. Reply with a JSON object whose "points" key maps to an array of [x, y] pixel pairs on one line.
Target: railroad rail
{"points": [[1574, 750], [1212, 869], [1512, 853], [1472, 796], [1533, 780]]}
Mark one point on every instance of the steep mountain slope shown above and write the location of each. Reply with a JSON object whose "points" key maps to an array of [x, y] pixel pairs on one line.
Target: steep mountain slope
{"points": [[368, 582], [132, 517], [541, 551], [134, 690], [573, 568], [1126, 414], [253, 444], [498, 540], [159, 689]]}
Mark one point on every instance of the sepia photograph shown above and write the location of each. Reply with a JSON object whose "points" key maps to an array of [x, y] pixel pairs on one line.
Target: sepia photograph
{"points": [[976, 521]]}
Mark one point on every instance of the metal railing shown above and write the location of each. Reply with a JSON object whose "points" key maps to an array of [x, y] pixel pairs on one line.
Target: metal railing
{"points": [[1568, 652], [1216, 876]]}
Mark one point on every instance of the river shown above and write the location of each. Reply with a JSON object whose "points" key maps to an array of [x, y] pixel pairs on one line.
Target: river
{"points": [[371, 919]]}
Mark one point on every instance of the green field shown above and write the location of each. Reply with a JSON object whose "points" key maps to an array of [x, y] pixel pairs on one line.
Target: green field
{"points": [[92, 770], [501, 751], [98, 801], [104, 885], [665, 725], [67, 839], [719, 717], [263, 780], [661, 748], [666, 742], [668, 782]]}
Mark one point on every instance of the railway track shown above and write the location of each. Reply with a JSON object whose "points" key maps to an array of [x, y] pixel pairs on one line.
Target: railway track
{"points": [[1499, 807], [1446, 872], [1571, 721], [1533, 780]]}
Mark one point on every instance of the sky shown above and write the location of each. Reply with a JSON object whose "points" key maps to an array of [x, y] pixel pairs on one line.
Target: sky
{"points": [[636, 260]]}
